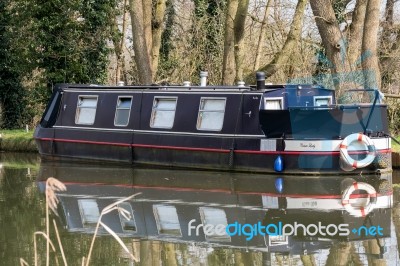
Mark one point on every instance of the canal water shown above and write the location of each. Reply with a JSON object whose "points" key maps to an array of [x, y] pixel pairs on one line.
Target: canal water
{"points": [[180, 217]]}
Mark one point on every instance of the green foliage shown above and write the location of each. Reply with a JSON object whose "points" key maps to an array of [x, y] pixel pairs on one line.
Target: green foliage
{"points": [[394, 115], [54, 42], [395, 146], [339, 6], [166, 37], [12, 95], [69, 40], [208, 36]]}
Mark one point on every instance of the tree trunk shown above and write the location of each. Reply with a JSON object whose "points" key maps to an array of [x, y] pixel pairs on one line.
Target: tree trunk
{"points": [[157, 33], [119, 44], [387, 45], [331, 40], [290, 44], [370, 65], [147, 6], [261, 38], [240, 20], [141, 56], [339, 254], [388, 23], [228, 64], [356, 32]]}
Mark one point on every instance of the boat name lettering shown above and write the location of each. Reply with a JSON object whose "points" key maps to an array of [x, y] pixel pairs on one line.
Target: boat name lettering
{"points": [[307, 145]]}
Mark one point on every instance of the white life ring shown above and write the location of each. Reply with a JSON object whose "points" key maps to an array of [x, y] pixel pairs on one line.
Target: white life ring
{"points": [[350, 162], [363, 210]]}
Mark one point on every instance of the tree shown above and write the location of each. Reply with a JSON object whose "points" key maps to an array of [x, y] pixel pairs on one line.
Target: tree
{"points": [[240, 20], [228, 64], [147, 31], [261, 37], [370, 65], [332, 39], [235, 18], [344, 54], [56, 42], [12, 94], [292, 39]]}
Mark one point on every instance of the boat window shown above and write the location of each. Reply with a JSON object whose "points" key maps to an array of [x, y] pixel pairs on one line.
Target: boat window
{"points": [[123, 111], [322, 100], [167, 220], [89, 211], [86, 110], [214, 222], [211, 114], [273, 103], [163, 113], [127, 219]]}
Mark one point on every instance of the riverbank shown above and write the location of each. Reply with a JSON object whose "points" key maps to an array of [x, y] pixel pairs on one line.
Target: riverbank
{"points": [[22, 141], [17, 141]]}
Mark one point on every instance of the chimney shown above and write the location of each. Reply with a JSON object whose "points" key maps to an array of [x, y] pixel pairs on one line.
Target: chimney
{"points": [[260, 76]]}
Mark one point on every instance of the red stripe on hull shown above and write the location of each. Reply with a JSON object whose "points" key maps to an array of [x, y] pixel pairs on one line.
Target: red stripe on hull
{"points": [[317, 153]]}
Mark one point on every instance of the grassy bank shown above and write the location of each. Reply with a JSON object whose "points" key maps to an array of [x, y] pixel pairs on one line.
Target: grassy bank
{"points": [[17, 141]]}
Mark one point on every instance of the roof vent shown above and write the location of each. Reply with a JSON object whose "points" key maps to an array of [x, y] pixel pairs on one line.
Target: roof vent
{"points": [[120, 83], [203, 78], [240, 83], [186, 83]]}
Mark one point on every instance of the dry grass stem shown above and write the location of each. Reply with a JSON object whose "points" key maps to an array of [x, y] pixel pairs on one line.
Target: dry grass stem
{"points": [[59, 243], [52, 185], [22, 262], [48, 241], [122, 244]]}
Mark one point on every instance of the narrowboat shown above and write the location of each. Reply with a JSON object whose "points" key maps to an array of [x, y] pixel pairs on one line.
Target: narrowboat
{"points": [[173, 203], [294, 129]]}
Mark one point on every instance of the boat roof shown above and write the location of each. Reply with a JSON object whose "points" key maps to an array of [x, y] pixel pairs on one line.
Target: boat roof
{"points": [[208, 88]]}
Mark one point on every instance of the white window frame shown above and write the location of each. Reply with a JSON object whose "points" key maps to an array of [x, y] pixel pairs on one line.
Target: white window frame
{"points": [[122, 108], [278, 240], [78, 108], [201, 111], [155, 109], [280, 99], [174, 231], [203, 215], [83, 204], [322, 97]]}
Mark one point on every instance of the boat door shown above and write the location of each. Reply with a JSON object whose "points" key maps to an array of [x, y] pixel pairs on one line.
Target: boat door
{"points": [[250, 109]]}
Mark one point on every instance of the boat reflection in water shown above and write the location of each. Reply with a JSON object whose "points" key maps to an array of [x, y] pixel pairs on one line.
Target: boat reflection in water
{"points": [[173, 204]]}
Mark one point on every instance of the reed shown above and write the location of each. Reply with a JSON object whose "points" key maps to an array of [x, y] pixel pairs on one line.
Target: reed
{"points": [[52, 187]]}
